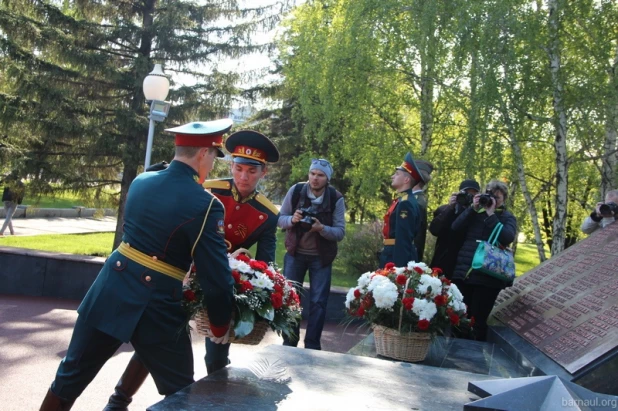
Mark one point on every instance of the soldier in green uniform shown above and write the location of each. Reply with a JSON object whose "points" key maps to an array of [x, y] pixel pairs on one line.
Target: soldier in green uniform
{"points": [[425, 168], [137, 295], [250, 218], [402, 221]]}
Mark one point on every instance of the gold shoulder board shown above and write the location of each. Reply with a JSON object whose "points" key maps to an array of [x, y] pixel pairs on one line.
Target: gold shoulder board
{"points": [[260, 198], [220, 184], [404, 197]]}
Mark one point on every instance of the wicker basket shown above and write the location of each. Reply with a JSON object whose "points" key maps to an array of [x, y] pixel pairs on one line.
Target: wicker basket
{"points": [[410, 347], [202, 324], [391, 343]]}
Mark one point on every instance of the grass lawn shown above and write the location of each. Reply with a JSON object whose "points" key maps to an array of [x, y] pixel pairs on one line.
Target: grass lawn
{"points": [[100, 244]]}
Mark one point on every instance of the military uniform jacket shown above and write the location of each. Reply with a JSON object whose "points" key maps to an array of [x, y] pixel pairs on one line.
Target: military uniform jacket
{"points": [[401, 223], [164, 218], [247, 221], [421, 236]]}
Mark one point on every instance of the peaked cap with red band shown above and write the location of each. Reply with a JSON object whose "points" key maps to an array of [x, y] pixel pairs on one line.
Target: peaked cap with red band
{"points": [[202, 134], [409, 166], [251, 147]]}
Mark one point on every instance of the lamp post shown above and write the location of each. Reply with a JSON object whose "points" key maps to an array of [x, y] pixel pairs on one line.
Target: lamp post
{"points": [[156, 86]]}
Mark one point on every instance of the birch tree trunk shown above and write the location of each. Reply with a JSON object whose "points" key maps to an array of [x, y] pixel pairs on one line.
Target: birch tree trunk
{"points": [[560, 126], [518, 159], [610, 158]]}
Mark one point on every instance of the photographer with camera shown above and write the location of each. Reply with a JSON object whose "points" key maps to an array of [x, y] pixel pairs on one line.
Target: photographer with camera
{"points": [[448, 243], [603, 215], [313, 215], [477, 223]]}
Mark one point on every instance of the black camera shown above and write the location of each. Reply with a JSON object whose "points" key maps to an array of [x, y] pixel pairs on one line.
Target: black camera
{"points": [[608, 209], [486, 200], [307, 221], [464, 199]]}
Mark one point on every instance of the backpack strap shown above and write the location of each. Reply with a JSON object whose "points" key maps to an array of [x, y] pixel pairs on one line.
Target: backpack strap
{"points": [[296, 194]]}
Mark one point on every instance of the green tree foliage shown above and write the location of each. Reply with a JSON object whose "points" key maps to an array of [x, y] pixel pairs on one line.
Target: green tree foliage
{"points": [[517, 90], [71, 101]]}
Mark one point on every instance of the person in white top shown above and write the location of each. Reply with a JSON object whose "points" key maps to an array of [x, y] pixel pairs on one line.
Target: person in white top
{"points": [[604, 214]]}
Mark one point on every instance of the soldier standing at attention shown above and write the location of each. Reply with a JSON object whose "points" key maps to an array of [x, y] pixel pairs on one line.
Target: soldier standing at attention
{"points": [[137, 295], [402, 221], [250, 218]]}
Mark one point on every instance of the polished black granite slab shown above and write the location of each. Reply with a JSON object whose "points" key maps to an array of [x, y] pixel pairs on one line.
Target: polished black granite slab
{"points": [[318, 380], [458, 354], [598, 376]]}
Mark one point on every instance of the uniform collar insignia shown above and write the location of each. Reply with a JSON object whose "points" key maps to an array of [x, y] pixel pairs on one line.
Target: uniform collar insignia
{"points": [[237, 198]]}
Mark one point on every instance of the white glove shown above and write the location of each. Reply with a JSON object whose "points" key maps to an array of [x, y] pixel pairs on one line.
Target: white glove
{"points": [[223, 339]]}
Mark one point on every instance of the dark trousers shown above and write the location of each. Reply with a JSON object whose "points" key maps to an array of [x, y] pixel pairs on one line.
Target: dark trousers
{"points": [[480, 301], [217, 356], [170, 363], [294, 268]]}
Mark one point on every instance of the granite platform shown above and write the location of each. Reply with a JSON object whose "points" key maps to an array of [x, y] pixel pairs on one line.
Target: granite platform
{"points": [[458, 354], [288, 378]]}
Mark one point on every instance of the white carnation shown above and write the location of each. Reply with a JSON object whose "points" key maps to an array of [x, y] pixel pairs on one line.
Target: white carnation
{"points": [[262, 281], [429, 281], [363, 280], [350, 297], [385, 294], [425, 310], [377, 280], [420, 265], [400, 270], [455, 293]]}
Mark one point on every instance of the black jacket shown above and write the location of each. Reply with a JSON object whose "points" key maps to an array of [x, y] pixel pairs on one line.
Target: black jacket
{"points": [[478, 226], [15, 194], [448, 242]]}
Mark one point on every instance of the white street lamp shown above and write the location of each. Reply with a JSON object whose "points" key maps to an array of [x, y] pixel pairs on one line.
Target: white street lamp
{"points": [[156, 86]]}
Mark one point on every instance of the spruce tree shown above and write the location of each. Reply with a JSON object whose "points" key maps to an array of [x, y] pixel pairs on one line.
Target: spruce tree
{"points": [[72, 107]]}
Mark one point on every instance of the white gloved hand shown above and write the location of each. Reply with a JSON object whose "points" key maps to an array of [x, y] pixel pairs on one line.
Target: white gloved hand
{"points": [[223, 339]]}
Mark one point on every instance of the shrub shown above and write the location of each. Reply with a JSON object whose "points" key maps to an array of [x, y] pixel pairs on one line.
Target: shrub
{"points": [[359, 250]]}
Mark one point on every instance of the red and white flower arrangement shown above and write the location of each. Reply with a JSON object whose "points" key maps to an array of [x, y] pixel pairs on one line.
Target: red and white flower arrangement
{"points": [[423, 299], [261, 293]]}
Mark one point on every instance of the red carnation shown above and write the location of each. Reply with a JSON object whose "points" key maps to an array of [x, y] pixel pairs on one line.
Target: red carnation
{"points": [[423, 325], [401, 279], [270, 274], [388, 266], [440, 300], [277, 300], [436, 271], [449, 311], [357, 293], [409, 291], [367, 303], [295, 297], [454, 319], [419, 270], [245, 286], [243, 258], [236, 276], [360, 312], [278, 289], [408, 302], [189, 295], [258, 265], [445, 281]]}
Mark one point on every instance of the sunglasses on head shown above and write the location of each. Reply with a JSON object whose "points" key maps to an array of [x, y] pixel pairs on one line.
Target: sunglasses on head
{"points": [[323, 163]]}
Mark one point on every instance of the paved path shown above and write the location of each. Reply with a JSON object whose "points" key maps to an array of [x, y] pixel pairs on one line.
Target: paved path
{"points": [[35, 333], [60, 225]]}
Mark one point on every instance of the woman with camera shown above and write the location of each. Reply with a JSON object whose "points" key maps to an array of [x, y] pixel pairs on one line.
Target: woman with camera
{"points": [[476, 223]]}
